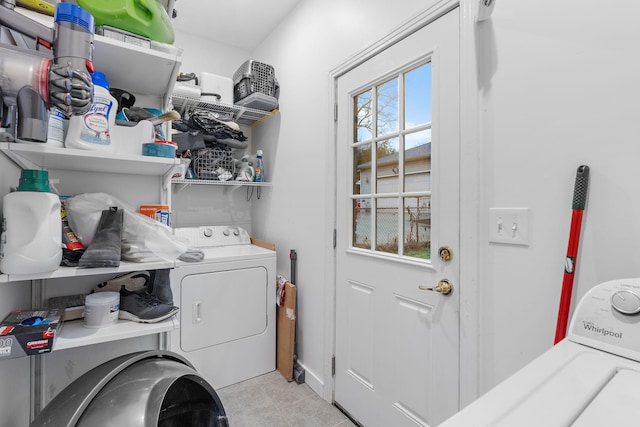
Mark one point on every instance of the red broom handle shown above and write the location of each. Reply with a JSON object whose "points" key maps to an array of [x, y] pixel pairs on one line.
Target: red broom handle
{"points": [[579, 202]]}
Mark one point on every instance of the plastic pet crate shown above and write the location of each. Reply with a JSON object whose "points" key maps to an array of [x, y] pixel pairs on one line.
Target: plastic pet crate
{"points": [[254, 77]]}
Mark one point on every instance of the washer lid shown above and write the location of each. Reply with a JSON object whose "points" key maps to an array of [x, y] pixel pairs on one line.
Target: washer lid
{"points": [[617, 404], [569, 382]]}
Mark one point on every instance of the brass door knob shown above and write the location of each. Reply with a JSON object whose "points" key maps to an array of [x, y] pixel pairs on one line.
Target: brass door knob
{"points": [[444, 287]]}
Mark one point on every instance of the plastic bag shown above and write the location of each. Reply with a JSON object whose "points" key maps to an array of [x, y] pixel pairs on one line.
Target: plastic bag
{"points": [[143, 239]]}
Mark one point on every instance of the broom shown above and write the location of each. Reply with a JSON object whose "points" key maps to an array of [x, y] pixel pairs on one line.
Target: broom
{"points": [[579, 201]]}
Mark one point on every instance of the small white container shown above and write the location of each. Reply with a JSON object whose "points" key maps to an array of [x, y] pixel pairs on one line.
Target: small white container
{"points": [[221, 86], [101, 309], [58, 127]]}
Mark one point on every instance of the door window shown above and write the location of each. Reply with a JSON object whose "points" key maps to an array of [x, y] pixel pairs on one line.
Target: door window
{"points": [[391, 149]]}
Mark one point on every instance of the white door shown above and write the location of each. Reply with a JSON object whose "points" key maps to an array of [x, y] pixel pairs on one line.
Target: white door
{"points": [[397, 204]]}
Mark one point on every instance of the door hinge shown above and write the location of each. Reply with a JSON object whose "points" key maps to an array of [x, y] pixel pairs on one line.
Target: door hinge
{"points": [[335, 238], [335, 112], [333, 366]]}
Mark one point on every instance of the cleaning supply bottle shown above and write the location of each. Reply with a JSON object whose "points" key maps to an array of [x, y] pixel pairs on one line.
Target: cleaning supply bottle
{"points": [[259, 167], [31, 240], [92, 131]]}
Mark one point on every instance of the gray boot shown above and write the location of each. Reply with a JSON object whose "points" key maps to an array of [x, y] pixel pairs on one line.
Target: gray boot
{"points": [[160, 286], [105, 248]]}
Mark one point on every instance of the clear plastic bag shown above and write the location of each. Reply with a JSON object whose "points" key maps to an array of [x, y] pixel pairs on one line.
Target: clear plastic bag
{"points": [[143, 239]]}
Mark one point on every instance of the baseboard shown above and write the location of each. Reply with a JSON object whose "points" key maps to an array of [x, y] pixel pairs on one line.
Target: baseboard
{"points": [[313, 381]]}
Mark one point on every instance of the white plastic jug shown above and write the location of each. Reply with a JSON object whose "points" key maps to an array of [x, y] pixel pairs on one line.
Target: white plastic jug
{"points": [[31, 240]]}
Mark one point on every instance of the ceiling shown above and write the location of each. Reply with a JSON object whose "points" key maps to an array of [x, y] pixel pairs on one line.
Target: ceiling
{"points": [[240, 23]]}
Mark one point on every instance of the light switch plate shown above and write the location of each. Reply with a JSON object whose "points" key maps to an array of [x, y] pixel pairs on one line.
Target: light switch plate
{"points": [[509, 226]]}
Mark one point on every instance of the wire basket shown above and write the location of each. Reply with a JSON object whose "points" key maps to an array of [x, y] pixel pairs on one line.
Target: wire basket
{"points": [[212, 164]]}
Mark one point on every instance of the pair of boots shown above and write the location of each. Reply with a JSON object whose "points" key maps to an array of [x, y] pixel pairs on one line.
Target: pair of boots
{"points": [[145, 296]]}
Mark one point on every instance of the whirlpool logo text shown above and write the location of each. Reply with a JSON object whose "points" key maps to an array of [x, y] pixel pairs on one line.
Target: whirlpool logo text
{"points": [[592, 327]]}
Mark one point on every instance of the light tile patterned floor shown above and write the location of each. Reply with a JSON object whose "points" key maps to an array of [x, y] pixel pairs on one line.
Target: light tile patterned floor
{"points": [[270, 401]]}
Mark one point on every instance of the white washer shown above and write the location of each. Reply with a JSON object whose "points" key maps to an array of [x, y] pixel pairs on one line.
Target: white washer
{"points": [[227, 305], [589, 379]]}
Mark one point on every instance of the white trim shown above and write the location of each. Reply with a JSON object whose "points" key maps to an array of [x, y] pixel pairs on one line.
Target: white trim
{"points": [[312, 380], [469, 208], [469, 192]]}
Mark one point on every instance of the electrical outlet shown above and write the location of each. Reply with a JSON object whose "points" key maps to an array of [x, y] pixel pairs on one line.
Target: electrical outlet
{"points": [[509, 225]]}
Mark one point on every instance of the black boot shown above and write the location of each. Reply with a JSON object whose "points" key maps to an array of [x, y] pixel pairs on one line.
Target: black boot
{"points": [[105, 248]]}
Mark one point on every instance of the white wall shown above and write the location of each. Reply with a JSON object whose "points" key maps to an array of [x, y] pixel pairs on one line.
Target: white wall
{"points": [[206, 55], [560, 88]]}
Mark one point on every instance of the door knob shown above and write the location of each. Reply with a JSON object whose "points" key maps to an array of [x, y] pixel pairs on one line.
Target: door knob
{"points": [[444, 287]]}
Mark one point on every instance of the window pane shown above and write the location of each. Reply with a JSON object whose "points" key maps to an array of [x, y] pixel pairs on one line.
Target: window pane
{"points": [[362, 223], [387, 225], [387, 166], [417, 96], [388, 107], [363, 117], [417, 161], [362, 169], [417, 227]]}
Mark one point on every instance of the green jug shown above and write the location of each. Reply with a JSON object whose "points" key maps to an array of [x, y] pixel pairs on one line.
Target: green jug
{"points": [[143, 17]]}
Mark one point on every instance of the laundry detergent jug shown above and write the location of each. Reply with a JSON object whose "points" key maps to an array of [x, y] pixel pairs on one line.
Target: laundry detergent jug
{"points": [[31, 240], [143, 17]]}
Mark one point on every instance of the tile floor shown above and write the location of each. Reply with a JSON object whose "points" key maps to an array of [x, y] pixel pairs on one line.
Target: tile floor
{"points": [[270, 401]]}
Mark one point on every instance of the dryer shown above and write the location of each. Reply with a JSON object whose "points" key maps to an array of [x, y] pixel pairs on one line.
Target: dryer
{"points": [[589, 379], [227, 305]]}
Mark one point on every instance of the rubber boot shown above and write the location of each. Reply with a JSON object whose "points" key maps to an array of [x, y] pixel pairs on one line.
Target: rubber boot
{"points": [[105, 248], [160, 286]]}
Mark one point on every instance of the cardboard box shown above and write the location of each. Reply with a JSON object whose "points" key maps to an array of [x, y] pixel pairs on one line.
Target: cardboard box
{"points": [[29, 332], [160, 213], [285, 332]]}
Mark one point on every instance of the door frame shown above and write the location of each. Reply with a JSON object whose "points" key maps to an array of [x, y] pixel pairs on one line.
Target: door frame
{"points": [[469, 193]]}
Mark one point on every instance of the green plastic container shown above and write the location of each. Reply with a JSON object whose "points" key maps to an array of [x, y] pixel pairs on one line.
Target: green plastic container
{"points": [[143, 17]]}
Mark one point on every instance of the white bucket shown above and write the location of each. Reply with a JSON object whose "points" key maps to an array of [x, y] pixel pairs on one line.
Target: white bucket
{"points": [[101, 309]]}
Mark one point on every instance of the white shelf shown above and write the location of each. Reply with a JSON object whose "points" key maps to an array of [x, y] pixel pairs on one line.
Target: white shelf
{"points": [[49, 157], [135, 68], [221, 183], [240, 114], [63, 272], [74, 334], [145, 71]]}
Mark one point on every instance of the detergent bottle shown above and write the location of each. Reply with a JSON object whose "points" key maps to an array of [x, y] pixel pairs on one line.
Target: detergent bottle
{"points": [[31, 240]]}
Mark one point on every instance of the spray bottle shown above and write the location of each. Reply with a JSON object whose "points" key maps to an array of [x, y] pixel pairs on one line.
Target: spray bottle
{"points": [[259, 167]]}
